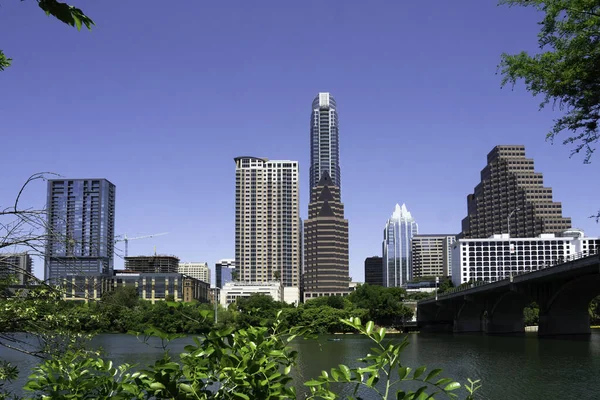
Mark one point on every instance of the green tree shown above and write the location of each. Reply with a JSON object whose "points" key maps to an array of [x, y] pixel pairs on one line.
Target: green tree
{"points": [[567, 71], [66, 13]]}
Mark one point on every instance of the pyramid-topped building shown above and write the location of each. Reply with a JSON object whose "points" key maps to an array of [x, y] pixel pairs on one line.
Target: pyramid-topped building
{"points": [[326, 242], [511, 197]]}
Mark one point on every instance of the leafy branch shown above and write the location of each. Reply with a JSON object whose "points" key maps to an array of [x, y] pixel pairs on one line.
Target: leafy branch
{"points": [[384, 363], [66, 13]]}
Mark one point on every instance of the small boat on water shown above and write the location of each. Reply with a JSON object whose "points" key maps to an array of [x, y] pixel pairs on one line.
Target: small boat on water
{"points": [[334, 339]]}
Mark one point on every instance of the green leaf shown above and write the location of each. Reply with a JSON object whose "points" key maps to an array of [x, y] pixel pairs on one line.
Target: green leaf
{"points": [[157, 385], [433, 374], [241, 395], [452, 386], [345, 371], [419, 371], [313, 382], [186, 388], [369, 327], [403, 372]]}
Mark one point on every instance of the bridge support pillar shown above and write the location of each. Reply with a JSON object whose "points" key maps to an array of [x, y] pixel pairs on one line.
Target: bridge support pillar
{"points": [[469, 317], [505, 314], [564, 322]]}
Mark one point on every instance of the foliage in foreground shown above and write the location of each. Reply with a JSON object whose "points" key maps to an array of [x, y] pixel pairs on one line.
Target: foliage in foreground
{"points": [[567, 73], [251, 363]]}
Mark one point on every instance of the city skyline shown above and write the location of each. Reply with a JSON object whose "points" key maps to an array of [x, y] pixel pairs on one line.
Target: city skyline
{"points": [[165, 134]]}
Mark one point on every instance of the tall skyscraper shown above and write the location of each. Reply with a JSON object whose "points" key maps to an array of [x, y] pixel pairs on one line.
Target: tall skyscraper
{"points": [[374, 270], [511, 194], [326, 242], [431, 255], [267, 229], [325, 231], [81, 220], [324, 141], [398, 232]]}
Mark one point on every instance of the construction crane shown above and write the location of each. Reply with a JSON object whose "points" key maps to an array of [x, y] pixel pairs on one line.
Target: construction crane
{"points": [[126, 239]]}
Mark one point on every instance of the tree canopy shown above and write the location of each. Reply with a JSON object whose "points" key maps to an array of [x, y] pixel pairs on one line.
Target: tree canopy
{"points": [[567, 71], [66, 13]]}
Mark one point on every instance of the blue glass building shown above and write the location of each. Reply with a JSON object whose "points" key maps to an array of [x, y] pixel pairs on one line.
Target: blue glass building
{"points": [[80, 227], [398, 232]]}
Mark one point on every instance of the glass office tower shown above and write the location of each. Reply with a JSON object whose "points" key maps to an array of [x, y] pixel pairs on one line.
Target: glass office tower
{"points": [[80, 227], [398, 232]]}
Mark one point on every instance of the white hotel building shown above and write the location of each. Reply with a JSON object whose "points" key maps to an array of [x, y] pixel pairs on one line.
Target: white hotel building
{"points": [[500, 256], [198, 270]]}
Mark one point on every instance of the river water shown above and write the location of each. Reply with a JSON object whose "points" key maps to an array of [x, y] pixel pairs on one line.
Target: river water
{"points": [[509, 367]]}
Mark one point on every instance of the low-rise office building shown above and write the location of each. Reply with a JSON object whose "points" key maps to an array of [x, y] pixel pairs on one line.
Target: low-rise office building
{"points": [[231, 291], [501, 256], [151, 287]]}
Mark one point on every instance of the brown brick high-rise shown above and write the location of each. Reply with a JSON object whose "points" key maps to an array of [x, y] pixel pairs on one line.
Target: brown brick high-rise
{"points": [[508, 185], [326, 242]]}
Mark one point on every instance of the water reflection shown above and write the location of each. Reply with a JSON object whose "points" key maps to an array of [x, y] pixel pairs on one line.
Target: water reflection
{"points": [[510, 367]]}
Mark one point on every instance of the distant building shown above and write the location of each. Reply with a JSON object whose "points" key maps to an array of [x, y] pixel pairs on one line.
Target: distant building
{"points": [[432, 255], [267, 232], [510, 188], [81, 220], [398, 232], [374, 270], [19, 266], [500, 256], [225, 272], [326, 243], [157, 264], [152, 287], [231, 291], [197, 270]]}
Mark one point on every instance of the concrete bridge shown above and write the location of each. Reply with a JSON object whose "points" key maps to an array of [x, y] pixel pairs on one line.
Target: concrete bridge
{"points": [[563, 293]]}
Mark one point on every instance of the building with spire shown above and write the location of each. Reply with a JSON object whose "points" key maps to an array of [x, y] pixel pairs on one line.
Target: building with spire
{"points": [[326, 260], [397, 235], [511, 198], [326, 242]]}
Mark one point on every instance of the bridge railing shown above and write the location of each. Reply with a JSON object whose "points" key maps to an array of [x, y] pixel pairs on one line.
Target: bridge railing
{"points": [[557, 262]]}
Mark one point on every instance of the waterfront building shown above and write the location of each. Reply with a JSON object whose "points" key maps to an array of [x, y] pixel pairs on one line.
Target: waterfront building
{"points": [[157, 264], [431, 255], [267, 229], [326, 243], [224, 272], [511, 195], [80, 227], [197, 270], [17, 266], [397, 235], [152, 287], [374, 270], [231, 291], [501, 256]]}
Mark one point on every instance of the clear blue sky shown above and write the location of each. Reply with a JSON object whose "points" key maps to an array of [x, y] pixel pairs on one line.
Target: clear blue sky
{"points": [[161, 96]]}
